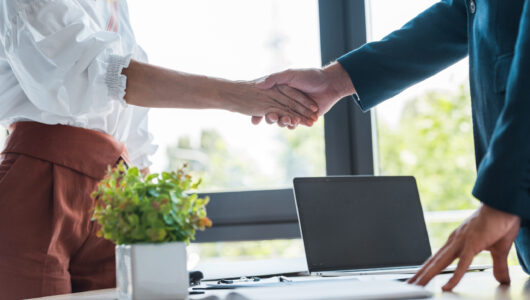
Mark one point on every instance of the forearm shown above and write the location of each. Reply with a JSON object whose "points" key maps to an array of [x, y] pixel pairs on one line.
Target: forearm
{"points": [[424, 46], [152, 86]]}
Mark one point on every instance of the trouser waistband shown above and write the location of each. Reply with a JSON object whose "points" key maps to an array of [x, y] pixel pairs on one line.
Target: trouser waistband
{"points": [[87, 151]]}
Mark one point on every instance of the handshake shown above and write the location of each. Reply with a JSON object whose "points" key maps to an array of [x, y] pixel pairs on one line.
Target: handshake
{"points": [[295, 97]]}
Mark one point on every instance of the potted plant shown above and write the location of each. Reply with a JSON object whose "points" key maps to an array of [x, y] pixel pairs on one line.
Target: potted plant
{"points": [[150, 218]]}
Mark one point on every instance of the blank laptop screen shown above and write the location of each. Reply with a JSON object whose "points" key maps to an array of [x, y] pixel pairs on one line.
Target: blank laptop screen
{"points": [[361, 222]]}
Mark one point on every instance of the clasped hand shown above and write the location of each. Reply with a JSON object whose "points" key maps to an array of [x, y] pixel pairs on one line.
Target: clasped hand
{"points": [[312, 88]]}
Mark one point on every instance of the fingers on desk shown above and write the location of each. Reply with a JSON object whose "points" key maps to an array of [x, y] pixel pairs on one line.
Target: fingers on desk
{"points": [[466, 258], [434, 265], [443, 258], [500, 267]]}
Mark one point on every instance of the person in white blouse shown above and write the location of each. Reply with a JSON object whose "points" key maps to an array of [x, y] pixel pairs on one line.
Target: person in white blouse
{"points": [[75, 90]]}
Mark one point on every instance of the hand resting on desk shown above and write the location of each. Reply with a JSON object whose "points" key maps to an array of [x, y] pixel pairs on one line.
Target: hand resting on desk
{"points": [[487, 229]]}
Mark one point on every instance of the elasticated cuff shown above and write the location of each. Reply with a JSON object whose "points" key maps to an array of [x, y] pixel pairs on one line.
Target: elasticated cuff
{"points": [[117, 82]]}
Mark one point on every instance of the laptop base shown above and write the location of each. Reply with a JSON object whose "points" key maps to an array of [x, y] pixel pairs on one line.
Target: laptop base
{"points": [[396, 270]]}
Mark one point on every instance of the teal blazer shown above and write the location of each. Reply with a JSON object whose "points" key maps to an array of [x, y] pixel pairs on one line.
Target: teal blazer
{"points": [[496, 36]]}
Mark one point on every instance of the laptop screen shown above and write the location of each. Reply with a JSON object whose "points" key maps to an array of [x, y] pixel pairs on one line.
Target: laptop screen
{"points": [[361, 222]]}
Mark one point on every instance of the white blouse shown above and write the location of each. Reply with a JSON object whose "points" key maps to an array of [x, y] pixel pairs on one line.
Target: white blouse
{"points": [[61, 63]]}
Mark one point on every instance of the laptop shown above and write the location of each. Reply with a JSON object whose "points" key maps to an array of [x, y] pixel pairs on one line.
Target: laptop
{"points": [[353, 225]]}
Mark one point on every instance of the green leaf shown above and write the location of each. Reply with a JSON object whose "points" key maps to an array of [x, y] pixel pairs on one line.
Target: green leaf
{"points": [[150, 177], [152, 192], [133, 172]]}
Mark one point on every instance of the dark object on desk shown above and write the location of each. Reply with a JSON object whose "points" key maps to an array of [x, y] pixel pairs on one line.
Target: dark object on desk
{"points": [[245, 282], [195, 277], [242, 279], [196, 292], [225, 281], [361, 223]]}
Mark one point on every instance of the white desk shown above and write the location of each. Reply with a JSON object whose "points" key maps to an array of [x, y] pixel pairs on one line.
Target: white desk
{"points": [[475, 285]]}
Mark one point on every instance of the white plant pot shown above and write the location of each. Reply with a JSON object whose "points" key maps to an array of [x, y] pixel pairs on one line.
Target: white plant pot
{"points": [[152, 271]]}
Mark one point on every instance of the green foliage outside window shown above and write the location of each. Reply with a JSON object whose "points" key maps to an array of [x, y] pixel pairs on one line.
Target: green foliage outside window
{"points": [[434, 142], [300, 152]]}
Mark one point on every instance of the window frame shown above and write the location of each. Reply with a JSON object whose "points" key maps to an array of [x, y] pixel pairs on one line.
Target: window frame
{"points": [[271, 214]]}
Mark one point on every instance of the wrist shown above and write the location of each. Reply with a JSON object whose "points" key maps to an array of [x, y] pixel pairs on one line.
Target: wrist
{"points": [[227, 94], [489, 210], [339, 79]]}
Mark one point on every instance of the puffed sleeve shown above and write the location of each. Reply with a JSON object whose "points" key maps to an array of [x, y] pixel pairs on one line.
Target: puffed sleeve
{"points": [[64, 61]]}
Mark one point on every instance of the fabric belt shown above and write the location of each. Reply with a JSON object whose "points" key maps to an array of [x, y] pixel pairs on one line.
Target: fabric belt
{"points": [[86, 151]]}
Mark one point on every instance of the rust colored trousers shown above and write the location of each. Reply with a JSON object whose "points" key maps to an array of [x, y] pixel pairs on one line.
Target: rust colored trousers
{"points": [[48, 243]]}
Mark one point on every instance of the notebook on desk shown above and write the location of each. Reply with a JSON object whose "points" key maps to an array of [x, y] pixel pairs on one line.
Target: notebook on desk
{"points": [[362, 224], [332, 290]]}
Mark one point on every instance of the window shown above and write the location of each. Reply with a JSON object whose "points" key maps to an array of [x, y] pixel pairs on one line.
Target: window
{"points": [[426, 131], [240, 40]]}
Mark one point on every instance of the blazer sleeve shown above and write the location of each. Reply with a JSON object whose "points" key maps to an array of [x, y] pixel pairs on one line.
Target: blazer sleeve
{"points": [[503, 179], [427, 44]]}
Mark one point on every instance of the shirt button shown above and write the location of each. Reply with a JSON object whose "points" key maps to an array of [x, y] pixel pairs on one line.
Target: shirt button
{"points": [[472, 6]]}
